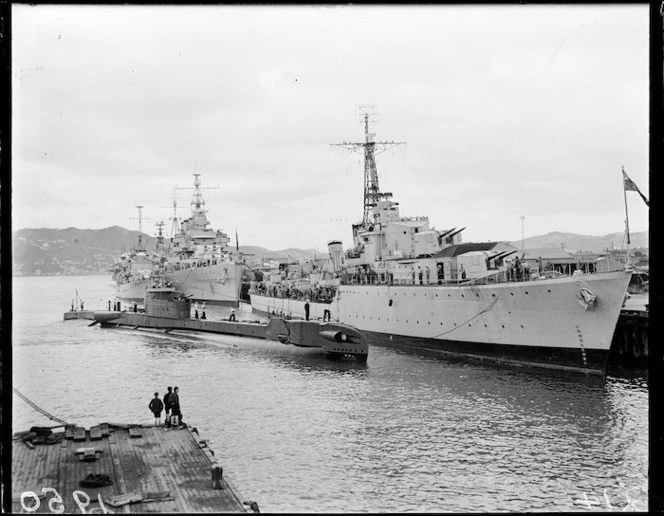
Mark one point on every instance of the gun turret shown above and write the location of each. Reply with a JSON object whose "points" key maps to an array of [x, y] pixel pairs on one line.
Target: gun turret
{"points": [[502, 255], [449, 237], [442, 235]]}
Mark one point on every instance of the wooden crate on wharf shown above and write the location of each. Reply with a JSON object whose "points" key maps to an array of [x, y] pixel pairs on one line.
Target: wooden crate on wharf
{"points": [[124, 468]]}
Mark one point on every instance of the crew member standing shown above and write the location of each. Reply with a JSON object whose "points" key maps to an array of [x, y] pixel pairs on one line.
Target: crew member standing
{"points": [[306, 310], [156, 406], [167, 405], [175, 407]]}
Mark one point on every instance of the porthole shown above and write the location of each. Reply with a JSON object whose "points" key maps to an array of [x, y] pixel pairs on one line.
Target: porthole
{"points": [[503, 325], [526, 292], [522, 325], [511, 293], [493, 295]]}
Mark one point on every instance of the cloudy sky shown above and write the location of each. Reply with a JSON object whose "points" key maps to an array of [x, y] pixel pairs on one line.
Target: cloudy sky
{"points": [[506, 111]]}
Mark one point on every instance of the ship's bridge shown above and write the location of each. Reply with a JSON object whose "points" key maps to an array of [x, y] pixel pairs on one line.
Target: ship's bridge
{"points": [[386, 210]]}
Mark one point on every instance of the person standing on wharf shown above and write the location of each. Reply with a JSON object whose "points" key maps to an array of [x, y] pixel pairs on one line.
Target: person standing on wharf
{"points": [[156, 406], [167, 405], [175, 407]]}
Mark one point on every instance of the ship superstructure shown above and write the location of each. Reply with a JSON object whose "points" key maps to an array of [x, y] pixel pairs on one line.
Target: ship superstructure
{"points": [[196, 261], [404, 283], [132, 270], [200, 263]]}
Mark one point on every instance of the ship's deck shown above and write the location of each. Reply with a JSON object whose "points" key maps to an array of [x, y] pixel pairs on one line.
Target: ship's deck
{"points": [[152, 469]]}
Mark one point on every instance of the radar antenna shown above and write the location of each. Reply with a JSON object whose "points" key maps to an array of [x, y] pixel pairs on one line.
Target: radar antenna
{"points": [[369, 114]]}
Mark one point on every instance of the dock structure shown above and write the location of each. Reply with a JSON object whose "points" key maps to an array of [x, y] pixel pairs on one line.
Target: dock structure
{"points": [[119, 468], [629, 348]]}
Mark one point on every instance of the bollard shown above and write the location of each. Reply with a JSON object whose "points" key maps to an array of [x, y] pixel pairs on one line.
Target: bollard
{"points": [[217, 473]]}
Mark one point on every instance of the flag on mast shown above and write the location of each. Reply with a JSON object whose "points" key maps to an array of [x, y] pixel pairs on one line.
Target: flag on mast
{"points": [[631, 185], [237, 246]]}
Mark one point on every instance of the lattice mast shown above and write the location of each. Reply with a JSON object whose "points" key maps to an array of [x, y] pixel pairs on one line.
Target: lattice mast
{"points": [[175, 221], [368, 114], [198, 210], [140, 228]]}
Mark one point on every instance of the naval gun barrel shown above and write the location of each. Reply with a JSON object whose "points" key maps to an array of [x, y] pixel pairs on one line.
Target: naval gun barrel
{"points": [[502, 255], [445, 233]]}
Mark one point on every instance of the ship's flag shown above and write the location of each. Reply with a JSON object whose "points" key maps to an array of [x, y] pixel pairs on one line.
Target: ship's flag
{"points": [[631, 185]]}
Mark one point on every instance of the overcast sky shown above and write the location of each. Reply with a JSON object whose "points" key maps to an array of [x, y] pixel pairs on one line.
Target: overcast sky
{"points": [[506, 111]]}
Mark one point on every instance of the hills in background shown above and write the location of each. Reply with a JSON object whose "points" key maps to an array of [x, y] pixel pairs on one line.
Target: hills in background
{"points": [[72, 251], [573, 242]]}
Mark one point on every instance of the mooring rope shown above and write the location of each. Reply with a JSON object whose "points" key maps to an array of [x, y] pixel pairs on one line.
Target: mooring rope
{"points": [[37, 408]]}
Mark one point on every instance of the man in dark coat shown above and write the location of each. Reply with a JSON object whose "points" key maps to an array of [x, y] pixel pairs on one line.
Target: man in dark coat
{"points": [[174, 400], [156, 406], [167, 405]]}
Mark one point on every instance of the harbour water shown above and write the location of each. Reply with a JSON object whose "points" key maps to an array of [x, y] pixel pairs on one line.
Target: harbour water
{"points": [[403, 433]]}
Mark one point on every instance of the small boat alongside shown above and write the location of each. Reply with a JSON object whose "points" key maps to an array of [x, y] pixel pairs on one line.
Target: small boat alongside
{"points": [[167, 309]]}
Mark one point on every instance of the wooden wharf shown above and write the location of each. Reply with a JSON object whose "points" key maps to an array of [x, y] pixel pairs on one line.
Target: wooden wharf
{"points": [[147, 469]]}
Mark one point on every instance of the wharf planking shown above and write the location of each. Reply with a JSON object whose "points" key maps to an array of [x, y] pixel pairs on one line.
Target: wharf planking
{"points": [[153, 470]]}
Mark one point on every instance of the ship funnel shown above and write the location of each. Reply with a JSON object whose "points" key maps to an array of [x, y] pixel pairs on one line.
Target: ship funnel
{"points": [[336, 252]]}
